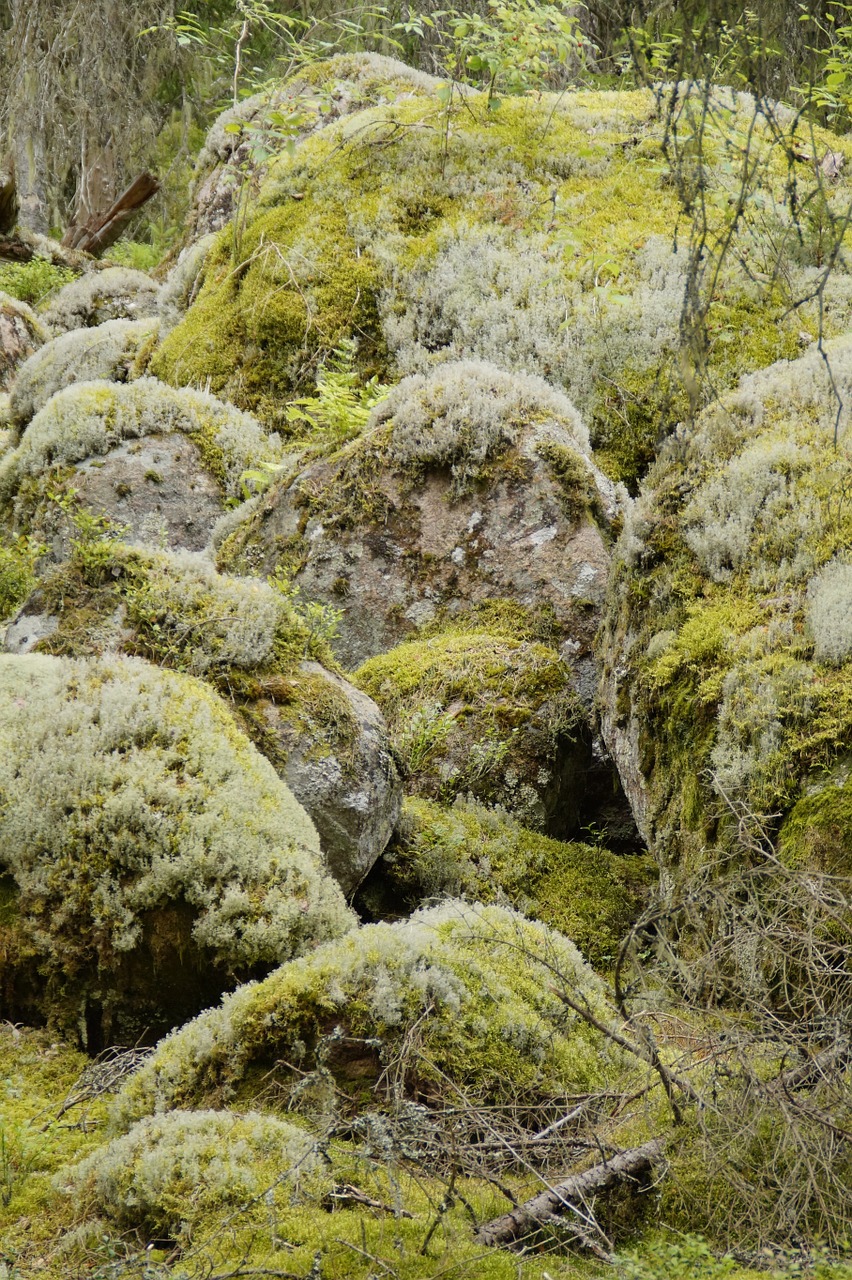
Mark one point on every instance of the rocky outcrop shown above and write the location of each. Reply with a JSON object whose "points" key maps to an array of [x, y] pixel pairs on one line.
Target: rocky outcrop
{"points": [[21, 333], [114, 293]]}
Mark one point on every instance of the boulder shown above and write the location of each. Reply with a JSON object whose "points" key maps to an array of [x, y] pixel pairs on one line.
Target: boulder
{"points": [[727, 662], [327, 740], [21, 333], [471, 485], [113, 293], [153, 855], [160, 462]]}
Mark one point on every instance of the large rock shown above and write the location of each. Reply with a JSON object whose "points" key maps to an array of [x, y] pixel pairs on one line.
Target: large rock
{"points": [[541, 237], [727, 691], [21, 333], [326, 739], [471, 485], [159, 461], [153, 855]]}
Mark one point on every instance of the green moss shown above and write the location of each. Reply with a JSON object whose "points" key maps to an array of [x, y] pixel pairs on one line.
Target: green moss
{"points": [[474, 712], [19, 558], [587, 893], [817, 832], [579, 495], [33, 281]]}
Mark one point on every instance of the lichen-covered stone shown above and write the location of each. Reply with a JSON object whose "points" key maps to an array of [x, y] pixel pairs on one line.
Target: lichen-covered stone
{"points": [[157, 460], [728, 687], [326, 739], [471, 485], [154, 855], [105, 352], [21, 333], [490, 248], [478, 982], [474, 712], [114, 293]]}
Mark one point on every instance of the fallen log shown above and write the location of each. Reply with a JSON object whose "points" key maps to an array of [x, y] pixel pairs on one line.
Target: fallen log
{"points": [[571, 1196], [101, 230]]}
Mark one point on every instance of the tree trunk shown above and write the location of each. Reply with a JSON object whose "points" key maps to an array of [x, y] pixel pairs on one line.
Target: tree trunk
{"points": [[8, 202], [103, 229]]}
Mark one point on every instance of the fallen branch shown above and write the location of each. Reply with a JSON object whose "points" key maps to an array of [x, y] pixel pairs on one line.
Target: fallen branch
{"points": [[571, 1195], [8, 202], [103, 229]]}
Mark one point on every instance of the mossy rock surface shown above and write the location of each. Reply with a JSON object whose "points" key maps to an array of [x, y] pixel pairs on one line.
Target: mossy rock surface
{"points": [[494, 251], [106, 352], [471, 978], [728, 680], [155, 855], [21, 333], [483, 853], [470, 485], [326, 739], [492, 716]]}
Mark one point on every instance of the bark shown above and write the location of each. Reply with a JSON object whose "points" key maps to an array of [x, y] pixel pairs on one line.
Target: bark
{"points": [[571, 1194], [103, 229], [8, 202]]}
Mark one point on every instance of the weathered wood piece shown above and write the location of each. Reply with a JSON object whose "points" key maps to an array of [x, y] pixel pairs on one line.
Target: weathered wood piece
{"points": [[8, 201], [570, 1195], [101, 230]]}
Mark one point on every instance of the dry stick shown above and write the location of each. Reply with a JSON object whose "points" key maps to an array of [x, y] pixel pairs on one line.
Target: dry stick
{"points": [[103, 229], [570, 1194]]}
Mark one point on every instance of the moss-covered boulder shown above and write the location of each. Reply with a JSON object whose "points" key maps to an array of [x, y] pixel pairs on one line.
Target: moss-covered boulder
{"points": [[21, 333], [314, 97], [479, 983], [152, 855], [728, 680], [106, 352], [484, 854], [257, 647], [539, 236], [111, 293], [156, 461], [476, 712], [470, 485]]}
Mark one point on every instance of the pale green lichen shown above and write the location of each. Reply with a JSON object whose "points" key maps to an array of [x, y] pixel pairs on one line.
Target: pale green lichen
{"points": [[137, 819], [89, 419], [105, 352], [479, 983]]}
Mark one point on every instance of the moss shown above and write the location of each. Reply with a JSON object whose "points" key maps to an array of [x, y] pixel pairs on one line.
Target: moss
{"points": [[587, 893], [19, 559], [146, 833], [115, 293], [474, 712], [579, 495], [817, 832], [33, 281], [484, 1018]]}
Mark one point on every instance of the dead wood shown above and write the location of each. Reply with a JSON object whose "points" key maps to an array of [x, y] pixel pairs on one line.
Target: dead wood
{"points": [[101, 230], [8, 202], [571, 1195]]}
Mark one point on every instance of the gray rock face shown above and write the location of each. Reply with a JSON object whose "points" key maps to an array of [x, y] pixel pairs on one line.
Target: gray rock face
{"points": [[20, 335], [157, 487], [331, 747], [411, 552]]}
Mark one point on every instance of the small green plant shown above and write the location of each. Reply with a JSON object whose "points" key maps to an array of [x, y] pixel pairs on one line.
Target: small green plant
{"points": [[94, 541], [19, 1153], [422, 735], [689, 1256], [322, 620], [341, 408], [32, 281], [18, 562]]}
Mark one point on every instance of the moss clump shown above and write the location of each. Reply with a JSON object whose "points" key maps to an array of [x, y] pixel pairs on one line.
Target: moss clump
{"points": [[114, 293], [145, 833], [725, 614], [584, 891], [105, 352], [471, 978], [473, 712], [19, 558], [172, 1170], [89, 419]]}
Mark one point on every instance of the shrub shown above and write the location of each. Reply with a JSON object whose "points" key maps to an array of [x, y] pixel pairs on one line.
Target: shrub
{"points": [[32, 281]]}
